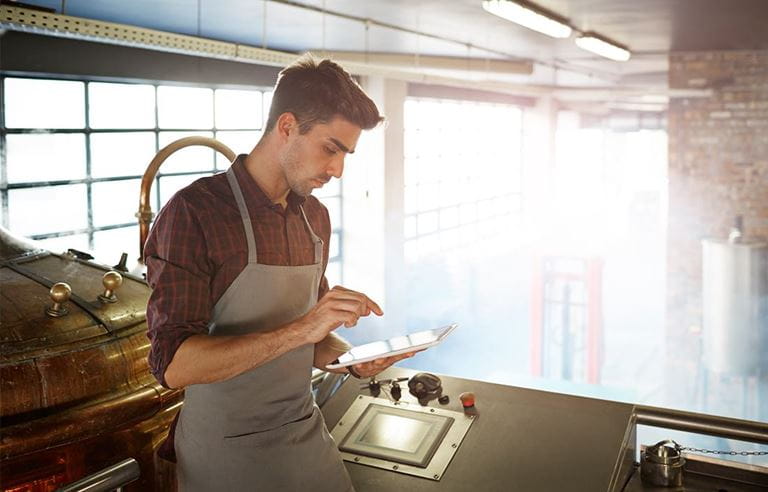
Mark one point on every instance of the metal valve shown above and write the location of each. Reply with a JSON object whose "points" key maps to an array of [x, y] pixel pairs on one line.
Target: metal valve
{"points": [[662, 464], [112, 281], [60, 293]]}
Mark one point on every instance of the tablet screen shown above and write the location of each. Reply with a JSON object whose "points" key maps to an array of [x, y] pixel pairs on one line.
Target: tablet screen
{"points": [[394, 346]]}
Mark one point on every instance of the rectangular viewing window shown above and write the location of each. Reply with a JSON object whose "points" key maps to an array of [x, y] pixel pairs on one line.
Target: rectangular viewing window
{"points": [[398, 435]]}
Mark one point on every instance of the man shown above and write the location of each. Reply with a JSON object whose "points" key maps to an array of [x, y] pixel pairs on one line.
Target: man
{"points": [[236, 262]]}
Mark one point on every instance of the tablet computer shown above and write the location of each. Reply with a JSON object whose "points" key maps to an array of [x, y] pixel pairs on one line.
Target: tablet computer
{"points": [[394, 346]]}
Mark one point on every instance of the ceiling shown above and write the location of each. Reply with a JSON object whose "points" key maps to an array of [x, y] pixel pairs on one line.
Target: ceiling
{"points": [[461, 28]]}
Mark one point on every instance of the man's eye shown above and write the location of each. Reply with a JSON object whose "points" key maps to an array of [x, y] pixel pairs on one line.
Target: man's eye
{"points": [[330, 151]]}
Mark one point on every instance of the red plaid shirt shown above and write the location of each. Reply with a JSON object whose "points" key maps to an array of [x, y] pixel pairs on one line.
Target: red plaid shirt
{"points": [[197, 248]]}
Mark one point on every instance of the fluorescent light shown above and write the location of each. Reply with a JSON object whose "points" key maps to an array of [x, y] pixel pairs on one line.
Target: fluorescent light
{"points": [[525, 15], [591, 42]]}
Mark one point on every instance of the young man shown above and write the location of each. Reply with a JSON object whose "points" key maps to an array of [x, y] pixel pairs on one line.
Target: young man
{"points": [[236, 262]]}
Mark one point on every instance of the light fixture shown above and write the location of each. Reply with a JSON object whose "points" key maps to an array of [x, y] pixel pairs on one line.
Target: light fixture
{"points": [[530, 16], [602, 46]]}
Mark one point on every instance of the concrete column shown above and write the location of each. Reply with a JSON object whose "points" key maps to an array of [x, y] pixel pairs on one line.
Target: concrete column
{"points": [[373, 187]]}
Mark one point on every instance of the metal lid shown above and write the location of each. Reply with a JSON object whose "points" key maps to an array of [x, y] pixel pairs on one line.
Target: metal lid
{"points": [[665, 452], [745, 242]]}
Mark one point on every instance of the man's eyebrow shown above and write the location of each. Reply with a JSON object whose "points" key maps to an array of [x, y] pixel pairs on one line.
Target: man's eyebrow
{"points": [[341, 145]]}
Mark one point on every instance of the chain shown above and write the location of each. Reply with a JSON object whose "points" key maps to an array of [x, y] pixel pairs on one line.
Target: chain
{"points": [[730, 453]]}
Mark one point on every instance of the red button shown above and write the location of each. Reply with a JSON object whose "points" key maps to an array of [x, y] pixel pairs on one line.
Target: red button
{"points": [[467, 399]]}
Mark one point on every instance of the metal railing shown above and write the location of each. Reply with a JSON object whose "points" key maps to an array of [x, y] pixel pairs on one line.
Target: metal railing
{"points": [[108, 479], [742, 430]]}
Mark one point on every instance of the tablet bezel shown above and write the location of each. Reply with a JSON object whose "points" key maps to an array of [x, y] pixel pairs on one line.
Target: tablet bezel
{"points": [[448, 329]]}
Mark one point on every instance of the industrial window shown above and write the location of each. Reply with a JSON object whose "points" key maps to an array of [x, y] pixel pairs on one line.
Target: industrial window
{"points": [[462, 174], [75, 151]]}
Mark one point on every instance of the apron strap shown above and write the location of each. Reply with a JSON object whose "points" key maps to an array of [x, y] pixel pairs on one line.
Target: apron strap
{"points": [[315, 238], [243, 213]]}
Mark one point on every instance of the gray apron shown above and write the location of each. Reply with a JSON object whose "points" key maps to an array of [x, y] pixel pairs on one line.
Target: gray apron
{"points": [[260, 430]]}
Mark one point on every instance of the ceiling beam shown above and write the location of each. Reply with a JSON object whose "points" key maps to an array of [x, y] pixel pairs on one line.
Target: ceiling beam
{"points": [[418, 62]]}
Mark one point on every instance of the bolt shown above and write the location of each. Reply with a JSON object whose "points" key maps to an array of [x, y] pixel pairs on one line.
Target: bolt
{"points": [[454, 445], [341, 423], [395, 467], [360, 397], [432, 410], [436, 476], [357, 458]]}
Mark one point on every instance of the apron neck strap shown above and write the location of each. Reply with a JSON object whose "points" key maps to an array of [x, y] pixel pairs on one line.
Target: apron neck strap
{"points": [[315, 238], [247, 226]]}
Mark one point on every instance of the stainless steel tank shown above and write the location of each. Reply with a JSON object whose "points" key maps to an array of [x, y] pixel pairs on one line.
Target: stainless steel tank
{"points": [[735, 305]]}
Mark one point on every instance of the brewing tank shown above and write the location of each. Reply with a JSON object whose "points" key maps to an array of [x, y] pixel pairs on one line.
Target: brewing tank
{"points": [[735, 305]]}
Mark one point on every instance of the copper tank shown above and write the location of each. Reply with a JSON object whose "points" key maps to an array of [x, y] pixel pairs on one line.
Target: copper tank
{"points": [[76, 394]]}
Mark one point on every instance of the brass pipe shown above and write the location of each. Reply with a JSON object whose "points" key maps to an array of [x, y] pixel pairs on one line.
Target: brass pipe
{"points": [[145, 214]]}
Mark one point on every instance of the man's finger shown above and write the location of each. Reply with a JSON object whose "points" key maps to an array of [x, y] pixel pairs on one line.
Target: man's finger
{"points": [[343, 292], [374, 307]]}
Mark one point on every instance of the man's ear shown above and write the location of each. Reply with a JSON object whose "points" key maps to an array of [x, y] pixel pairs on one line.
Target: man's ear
{"points": [[286, 123]]}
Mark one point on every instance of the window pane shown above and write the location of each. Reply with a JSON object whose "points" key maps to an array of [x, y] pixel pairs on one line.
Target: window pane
{"points": [[31, 103], [184, 107], [45, 157], [47, 209], [427, 222], [333, 273], [267, 106], [121, 154], [334, 210], [121, 105], [332, 188], [109, 245], [334, 246], [115, 202], [63, 243], [193, 158], [169, 185], [239, 142], [238, 109], [449, 217], [409, 226]]}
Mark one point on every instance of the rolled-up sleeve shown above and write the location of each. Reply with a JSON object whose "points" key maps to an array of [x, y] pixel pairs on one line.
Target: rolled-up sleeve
{"points": [[180, 276]]}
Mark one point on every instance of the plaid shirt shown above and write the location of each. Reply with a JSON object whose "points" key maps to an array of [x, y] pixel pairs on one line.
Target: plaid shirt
{"points": [[197, 248]]}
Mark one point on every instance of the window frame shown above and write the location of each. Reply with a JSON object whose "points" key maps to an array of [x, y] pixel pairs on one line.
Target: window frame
{"points": [[517, 194], [89, 180]]}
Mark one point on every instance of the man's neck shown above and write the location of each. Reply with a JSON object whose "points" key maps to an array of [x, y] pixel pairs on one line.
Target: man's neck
{"points": [[264, 167]]}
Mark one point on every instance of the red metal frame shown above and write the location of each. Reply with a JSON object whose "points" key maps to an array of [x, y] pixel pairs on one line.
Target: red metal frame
{"points": [[592, 279]]}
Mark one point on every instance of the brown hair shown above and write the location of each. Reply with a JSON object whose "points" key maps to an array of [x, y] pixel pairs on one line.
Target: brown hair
{"points": [[316, 92]]}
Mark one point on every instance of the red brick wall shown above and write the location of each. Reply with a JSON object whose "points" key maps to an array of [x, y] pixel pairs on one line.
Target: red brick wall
{"points": [[718, 169]]}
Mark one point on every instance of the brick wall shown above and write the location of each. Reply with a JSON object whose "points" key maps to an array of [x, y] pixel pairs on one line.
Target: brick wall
{"points": [[718, 169]]}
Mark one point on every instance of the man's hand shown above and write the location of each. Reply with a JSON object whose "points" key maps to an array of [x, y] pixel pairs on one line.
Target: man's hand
{"points": [[339, 306], [372, 368]]}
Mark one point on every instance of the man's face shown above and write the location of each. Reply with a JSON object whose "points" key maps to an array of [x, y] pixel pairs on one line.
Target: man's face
{"points": [[311, 160]]}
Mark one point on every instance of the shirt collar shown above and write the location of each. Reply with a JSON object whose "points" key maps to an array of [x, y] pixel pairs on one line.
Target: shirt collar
{"points": [[254, 194]]}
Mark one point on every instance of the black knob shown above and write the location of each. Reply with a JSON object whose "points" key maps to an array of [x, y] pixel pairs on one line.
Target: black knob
{"points": [[396, 392]]}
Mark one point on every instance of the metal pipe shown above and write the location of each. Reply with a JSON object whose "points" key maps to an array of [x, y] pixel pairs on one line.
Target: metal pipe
{"points": [[145, 214], [108, 479], [742, 430]]}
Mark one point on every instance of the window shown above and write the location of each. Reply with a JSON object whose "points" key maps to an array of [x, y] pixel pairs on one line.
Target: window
{"points": [[75, 152], [462, 178]]}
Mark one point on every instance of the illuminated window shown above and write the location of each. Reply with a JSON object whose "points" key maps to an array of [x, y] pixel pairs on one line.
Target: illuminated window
{"points": [[462, 174], [75, 152]]}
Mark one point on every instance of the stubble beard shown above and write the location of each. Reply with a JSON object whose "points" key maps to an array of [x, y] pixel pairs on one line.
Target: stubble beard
{"points": [[292, 168]]}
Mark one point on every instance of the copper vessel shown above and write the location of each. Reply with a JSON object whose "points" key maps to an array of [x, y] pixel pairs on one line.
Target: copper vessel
{"points": [[76, 394]]}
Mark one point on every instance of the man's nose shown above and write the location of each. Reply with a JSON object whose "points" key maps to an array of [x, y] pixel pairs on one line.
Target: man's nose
{"points": [[336, 167]]}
